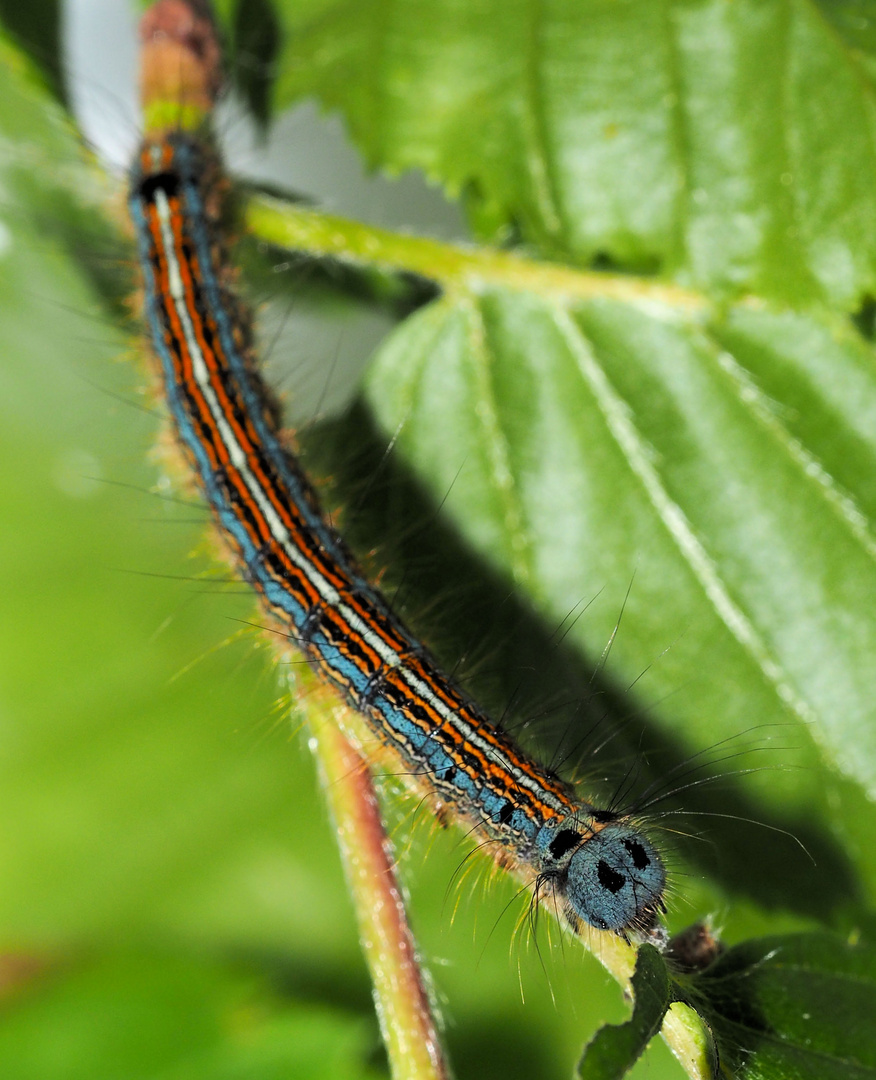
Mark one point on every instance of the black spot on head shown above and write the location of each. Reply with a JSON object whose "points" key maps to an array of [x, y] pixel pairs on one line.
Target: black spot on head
{"points": [[504, 815], [564, 841], [608, 878], [166, 182], [603, 816], [638, 854]]}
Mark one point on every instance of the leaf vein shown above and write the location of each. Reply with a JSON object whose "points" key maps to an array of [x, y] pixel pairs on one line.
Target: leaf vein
{"points": [[497, 447], [635, 451]]}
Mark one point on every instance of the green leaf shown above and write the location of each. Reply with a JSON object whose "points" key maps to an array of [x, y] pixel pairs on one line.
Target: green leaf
{"points": [[37, 26], [730, 145], [790, 1008], [722, 462], [855, 20], [616, 1048]]}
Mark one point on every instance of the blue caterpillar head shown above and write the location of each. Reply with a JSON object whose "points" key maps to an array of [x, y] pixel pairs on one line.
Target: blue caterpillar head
{"points": [[614, 880]]}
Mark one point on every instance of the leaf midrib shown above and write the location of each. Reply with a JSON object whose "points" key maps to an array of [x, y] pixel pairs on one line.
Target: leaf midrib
{"points": [[456, 267]]}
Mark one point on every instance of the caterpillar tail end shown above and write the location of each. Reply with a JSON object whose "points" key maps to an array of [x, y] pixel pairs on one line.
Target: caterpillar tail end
{"points": [[180, 66]]}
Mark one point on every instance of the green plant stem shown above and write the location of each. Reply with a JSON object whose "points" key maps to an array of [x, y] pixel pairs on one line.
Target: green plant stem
{"points": [[451, 266], [686, 1036], [401, 996]]}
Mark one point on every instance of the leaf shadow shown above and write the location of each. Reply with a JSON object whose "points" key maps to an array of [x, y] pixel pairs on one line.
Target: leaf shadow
{"points": [[752, 850]]}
